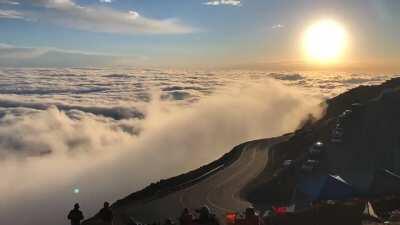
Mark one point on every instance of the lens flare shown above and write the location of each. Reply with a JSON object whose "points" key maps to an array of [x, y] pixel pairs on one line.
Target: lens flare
{"points": [[76, 190]]}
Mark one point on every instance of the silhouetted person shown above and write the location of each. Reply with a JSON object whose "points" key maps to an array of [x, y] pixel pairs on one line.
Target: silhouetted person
{"points": [[251, 218], [186, 217], [75, 215], [206, 217], [105, 214]]}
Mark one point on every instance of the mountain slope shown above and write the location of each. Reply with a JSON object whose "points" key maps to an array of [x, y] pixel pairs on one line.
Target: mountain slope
{"points": [[370, 141]]}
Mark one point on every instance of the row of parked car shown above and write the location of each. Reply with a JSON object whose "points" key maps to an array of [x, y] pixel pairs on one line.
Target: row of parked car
{"points": [[338, 132], [311, 161], [314, 156]]}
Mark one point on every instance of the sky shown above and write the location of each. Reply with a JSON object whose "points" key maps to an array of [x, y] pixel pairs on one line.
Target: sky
{"points": [[251, 34]]}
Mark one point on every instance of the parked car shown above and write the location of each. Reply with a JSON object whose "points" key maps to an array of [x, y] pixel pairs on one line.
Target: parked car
{"points": [[317, 148], [309, 165], [346, 113], [337, 135], [287, 163]]}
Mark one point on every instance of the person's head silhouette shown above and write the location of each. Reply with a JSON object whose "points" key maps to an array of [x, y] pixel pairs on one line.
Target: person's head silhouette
{"points": [[76, 206], [106, 204], [250, 211]]}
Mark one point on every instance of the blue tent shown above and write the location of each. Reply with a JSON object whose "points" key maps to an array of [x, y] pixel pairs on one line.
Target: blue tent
{"points": [[325, 187]]}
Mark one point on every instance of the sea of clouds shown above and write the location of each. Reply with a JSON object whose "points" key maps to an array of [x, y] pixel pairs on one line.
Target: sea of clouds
{"points": [[111, 132]]}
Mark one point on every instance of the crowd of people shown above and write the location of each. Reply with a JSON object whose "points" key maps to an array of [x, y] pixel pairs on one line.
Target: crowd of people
{"points": [[323, 212], [204, 217]]}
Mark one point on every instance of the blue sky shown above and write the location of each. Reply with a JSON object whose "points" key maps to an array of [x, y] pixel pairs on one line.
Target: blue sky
{"points": [[185, 33]]}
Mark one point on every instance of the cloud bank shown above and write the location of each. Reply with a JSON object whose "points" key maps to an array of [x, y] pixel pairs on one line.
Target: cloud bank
{"points": [[108, 159], [110, 132]]}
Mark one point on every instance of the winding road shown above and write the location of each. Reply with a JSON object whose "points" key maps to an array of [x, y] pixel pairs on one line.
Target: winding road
{"points": [[219, 191]]}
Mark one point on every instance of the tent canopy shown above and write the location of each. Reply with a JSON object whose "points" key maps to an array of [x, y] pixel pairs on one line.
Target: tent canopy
{"points": [[325, 187], [384, 182]]}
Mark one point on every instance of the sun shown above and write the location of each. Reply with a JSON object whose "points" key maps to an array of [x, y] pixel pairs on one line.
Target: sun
{"points": [[324, 42]]}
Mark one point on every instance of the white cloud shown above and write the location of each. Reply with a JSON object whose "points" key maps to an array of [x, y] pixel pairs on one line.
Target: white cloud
{"points": [[3, 45], [277, 26], [223, 2], [54, 3], [11, 14], [99, 19], [134, 14], [9, 2], [106, 1], [13, 52]]}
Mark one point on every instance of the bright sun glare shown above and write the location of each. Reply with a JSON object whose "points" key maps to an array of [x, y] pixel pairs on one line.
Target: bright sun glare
{"points": [[325, 41]]}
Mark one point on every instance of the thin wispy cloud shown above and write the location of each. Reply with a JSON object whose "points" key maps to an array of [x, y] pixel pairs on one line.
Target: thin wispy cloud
{"points": [[13, 52], [9, 2], [11, 14], [97, 19], [11, 55], [8, 51], [277, 26], [106, 1], [223, 2]]}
